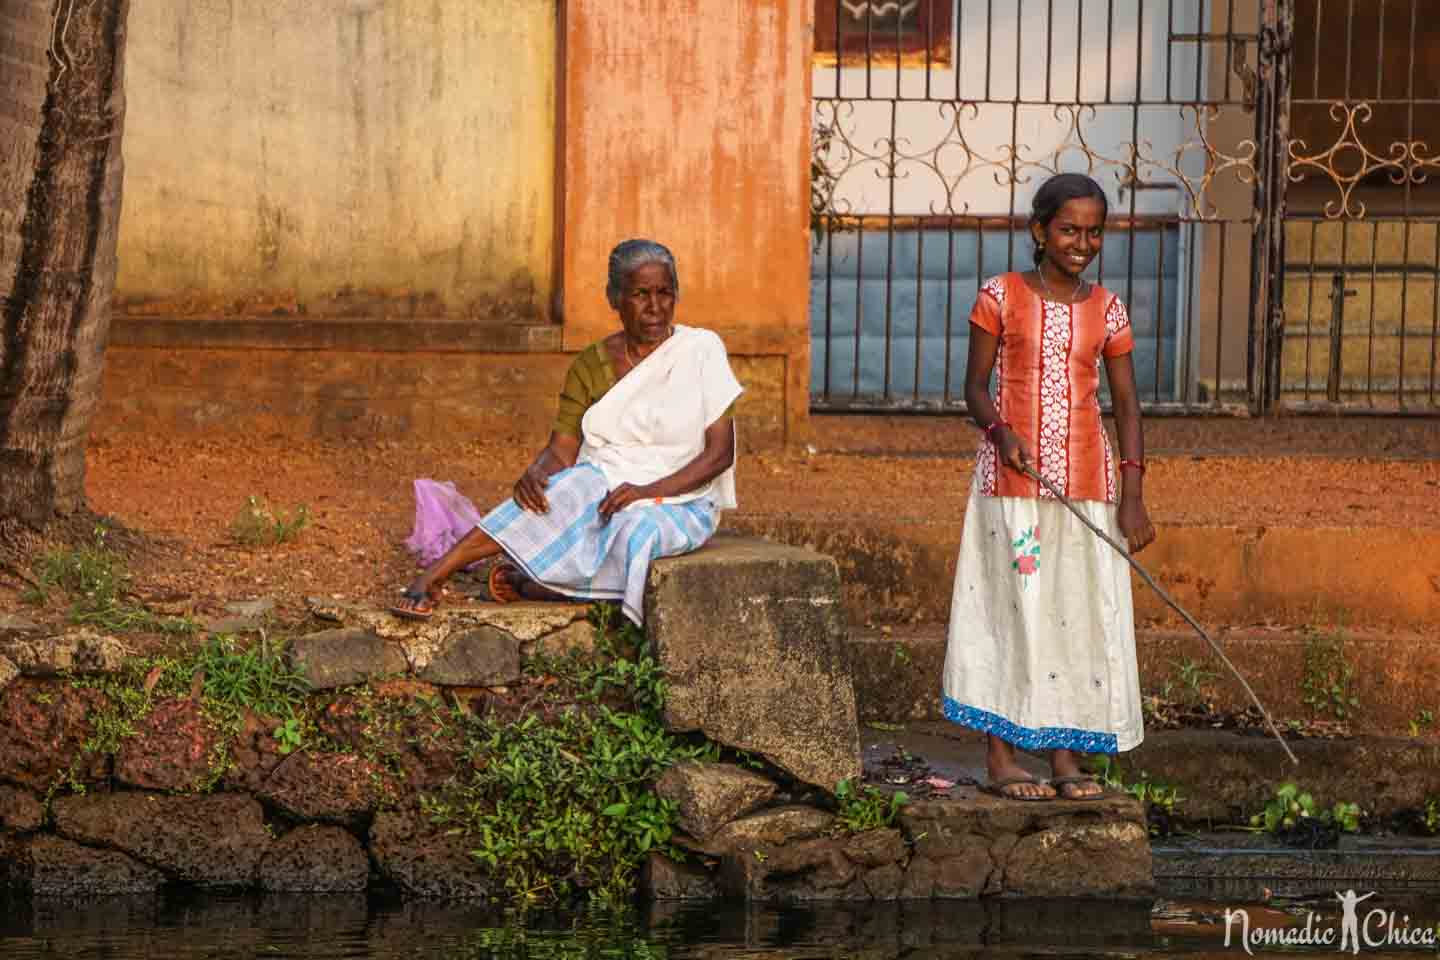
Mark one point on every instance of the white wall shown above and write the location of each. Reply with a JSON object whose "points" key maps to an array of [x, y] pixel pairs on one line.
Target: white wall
{"points": [[1141, 63]]}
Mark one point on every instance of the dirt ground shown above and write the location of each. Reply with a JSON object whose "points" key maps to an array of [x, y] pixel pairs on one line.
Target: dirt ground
{"points": [[185, 494]]}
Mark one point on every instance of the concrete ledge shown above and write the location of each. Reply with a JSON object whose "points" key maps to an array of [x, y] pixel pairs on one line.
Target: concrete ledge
{"points": [[404, 334], [898, 673], [902, 571], [1246, 867]]}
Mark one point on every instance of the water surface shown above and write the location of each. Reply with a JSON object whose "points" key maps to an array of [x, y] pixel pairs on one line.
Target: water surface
{"points": [[182, 927]]}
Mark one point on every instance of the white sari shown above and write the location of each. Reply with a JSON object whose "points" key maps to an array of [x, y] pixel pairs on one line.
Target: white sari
{"points": [[647, 426]]}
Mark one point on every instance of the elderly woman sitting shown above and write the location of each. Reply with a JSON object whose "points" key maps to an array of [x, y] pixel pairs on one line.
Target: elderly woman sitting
{"points": [[639, 464]]}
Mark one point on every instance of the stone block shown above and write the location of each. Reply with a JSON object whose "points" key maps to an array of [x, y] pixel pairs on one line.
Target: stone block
{"points": [[335, 787], [43, 729], [49, 866], [752, 638], [80, 650], [342, 657], [479, 657], [315, 859], [211, 841], [424, 860], [13, 626], [171, 749], [710, 795], [664, 879], [772, 828], [875, 848], [805, 870], [1072, 860], [577, 638], [20, 810]]}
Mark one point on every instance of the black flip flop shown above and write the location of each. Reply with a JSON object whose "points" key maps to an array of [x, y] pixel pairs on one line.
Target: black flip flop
{"points": [[1058, 782], [996, 788]]}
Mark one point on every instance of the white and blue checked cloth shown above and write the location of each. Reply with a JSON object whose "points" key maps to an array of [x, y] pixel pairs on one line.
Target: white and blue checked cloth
{"points": [[572, 550]]}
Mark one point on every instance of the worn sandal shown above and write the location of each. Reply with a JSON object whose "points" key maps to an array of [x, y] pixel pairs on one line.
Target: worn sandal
{"points": [[997, 788], [422, 607], [1060, 783], [502, 590]]}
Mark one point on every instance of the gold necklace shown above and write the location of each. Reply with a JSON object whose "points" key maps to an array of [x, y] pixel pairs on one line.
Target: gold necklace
{"points": [[1046, 284], [633, 359]]}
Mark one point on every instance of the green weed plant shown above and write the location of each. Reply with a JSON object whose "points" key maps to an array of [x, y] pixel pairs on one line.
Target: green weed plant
{"points": [[1328, 683], [559, 804], [1290, 807], [94, 576], [858, 810], [1152, 794], [259, 524], [230, 682]]}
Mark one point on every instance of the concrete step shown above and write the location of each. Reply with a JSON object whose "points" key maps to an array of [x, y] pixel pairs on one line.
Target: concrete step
{"points": [[1249, 868], [898, 673], [901, 570]]}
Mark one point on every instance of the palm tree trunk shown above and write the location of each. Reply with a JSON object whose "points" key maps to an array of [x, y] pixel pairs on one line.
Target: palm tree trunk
{"points": [[62, 107]]}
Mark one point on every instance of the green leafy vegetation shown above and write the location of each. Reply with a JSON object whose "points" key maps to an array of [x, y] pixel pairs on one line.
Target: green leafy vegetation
{"points": [[228, 680], [94, 578], [858, 810], [558, 803], [1154, 795], [1188, 680], [1291, 807], [259, 524], [1422, 722], [1328, 683]]}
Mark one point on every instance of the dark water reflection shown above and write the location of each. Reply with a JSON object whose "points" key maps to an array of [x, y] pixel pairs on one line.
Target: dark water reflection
{"points": [[183, 927]]}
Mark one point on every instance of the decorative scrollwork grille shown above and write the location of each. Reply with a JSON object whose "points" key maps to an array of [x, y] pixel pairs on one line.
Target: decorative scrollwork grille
{"points": [[935, 121]]}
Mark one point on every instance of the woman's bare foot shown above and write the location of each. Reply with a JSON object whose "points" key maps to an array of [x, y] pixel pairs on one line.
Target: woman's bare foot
{"points": [[1008, 778], [1072, 782]]}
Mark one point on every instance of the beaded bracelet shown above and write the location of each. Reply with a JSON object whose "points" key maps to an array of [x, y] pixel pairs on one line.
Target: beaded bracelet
{"points": [[1137, 464]]}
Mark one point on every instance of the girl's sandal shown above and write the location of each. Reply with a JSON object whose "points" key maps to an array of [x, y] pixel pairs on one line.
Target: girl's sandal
{"points": [[421, 606], [1074, 783]]}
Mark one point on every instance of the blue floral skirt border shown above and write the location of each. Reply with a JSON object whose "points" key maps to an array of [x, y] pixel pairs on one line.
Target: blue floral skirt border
{"points": [[1026, 738]]}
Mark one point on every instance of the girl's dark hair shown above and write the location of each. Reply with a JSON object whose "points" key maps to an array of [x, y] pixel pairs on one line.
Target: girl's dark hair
{"points": [[1058, 191]]}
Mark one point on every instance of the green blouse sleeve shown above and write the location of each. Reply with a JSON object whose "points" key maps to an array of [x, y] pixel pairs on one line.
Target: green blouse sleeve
{"points": [[585, 383]]}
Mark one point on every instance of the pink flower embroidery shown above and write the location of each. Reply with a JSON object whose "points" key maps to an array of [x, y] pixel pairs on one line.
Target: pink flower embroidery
{"points": [[1027, 555]]}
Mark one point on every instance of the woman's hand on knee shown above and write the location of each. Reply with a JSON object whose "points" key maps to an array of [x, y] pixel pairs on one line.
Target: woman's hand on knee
{"points": [[530, 491], [621, 497]]}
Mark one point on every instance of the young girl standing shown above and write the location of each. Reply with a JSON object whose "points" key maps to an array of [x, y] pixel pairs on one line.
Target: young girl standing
{"points": [[1041, 652]]}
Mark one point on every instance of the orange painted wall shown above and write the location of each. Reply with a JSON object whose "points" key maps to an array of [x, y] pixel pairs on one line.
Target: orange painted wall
{"points": [[688, 121]]}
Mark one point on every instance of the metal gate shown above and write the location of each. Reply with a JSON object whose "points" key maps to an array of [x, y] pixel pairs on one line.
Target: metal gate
{"points": [[1217, 128]]}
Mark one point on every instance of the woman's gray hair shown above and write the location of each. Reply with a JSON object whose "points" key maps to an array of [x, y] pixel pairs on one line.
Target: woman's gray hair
{"points": [[629, 256]]}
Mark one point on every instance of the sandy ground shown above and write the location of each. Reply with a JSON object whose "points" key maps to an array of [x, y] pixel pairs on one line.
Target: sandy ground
{"points": [[185, 494]]}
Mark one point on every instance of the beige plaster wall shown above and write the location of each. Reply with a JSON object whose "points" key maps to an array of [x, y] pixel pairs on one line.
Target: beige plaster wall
{"points": [[341, 157]]}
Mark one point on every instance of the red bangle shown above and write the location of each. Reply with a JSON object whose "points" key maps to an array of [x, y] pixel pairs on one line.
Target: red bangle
{"points": [[1137, 464], [993, 427]]}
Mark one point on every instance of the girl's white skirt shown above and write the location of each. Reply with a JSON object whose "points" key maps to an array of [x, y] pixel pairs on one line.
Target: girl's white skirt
{"points": [[1041, 650]]}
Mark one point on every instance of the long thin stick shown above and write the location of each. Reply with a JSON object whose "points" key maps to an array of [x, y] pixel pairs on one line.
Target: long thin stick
{"points": [[1166, 597]]}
